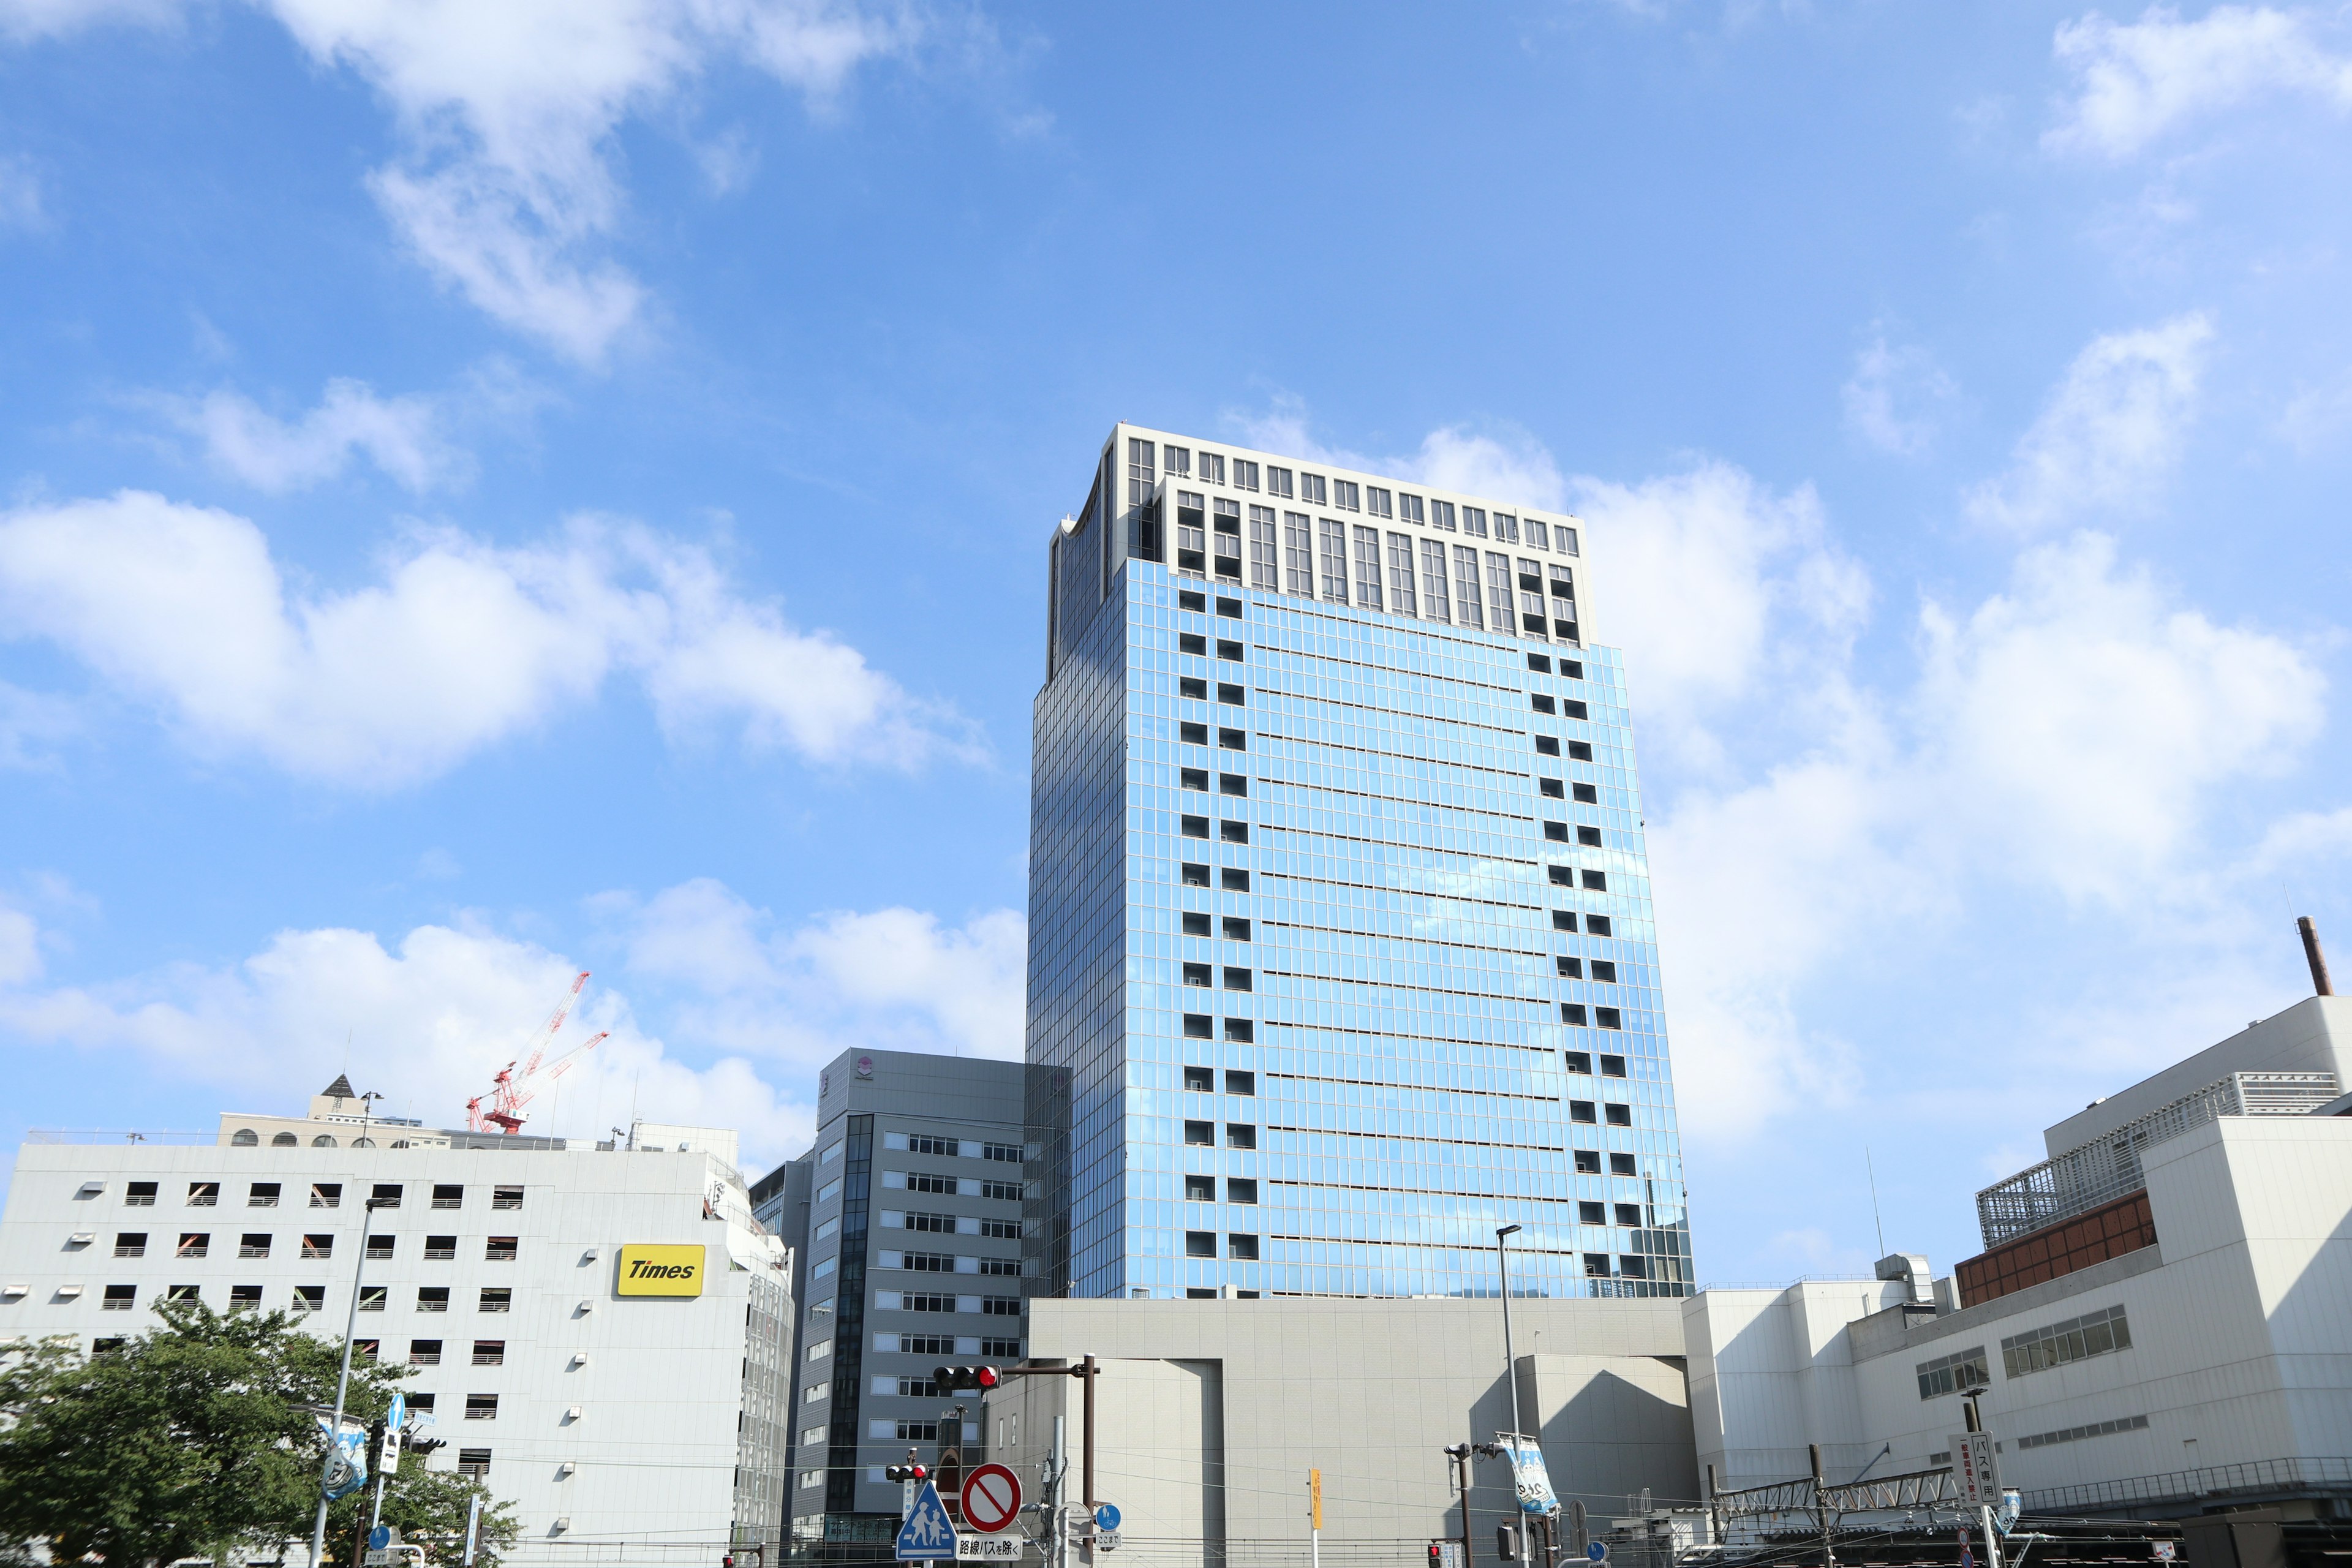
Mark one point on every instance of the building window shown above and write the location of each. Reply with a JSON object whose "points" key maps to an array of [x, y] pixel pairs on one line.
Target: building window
{"points": [[1240, 1135], [1441, 515], [326, 1195], [1563, 920], [204, 1194], [1596, 1266], [1194, 734], [1557, 832], [380, 1246], [496, 1298], [440, 1249], [1008, 1154], [1588, 794], [1592, 1214], [1233, 739], [1596, 880], [245, 1138], [1376, 501], [425, 1352], [1192, 827], [1237, 979], [1401, 593], [181, 1293], [1297, 554], [1277, 481], [1212, 467], [1572, 1013], [1541, 703], [481, 1407], [448, 1196], [1467, 610], [1435, 603], [310, 1298], [1553, 789], [262, 1196], [1230, 694], [1200, 1189], [1596, 925], [1201, 1080], [1240, 1082], [1311, 490], [1193, 874], [119, 1299], [130, 1244], [1198, 1026], [2092, 1333], [489, 1352], [1334, 557], [1192, 642], [194, 1244], [500, 1249], [1608, 1018], [1368, 568], [928, 1262], [1139, 476], [1579, 1062], [1242, 1029], [1199, 1244], [1266, 553], [1622, 1165], [372, 1297], [1000, 1306], [1611, 1066], [1588, 1161], [1001, 1229], [1632, 1266], [1618, 1114], [433, 1299], [1178, 462], [1200, 1133], [1571, 969], [1343, 496], [253, 1245], [1474, 521], [1192, 778], [1197, 974], [1242, 1247], [474, 1462], [1629, 1215], [1564, 876], [1244, 475], [926, 1182], [999, 1266], [1583, 1110], [1234, 832], [386, 1195], [1241, 1189], [1233, 879], [506, 1197], [1232, 784], [1588, 836]]}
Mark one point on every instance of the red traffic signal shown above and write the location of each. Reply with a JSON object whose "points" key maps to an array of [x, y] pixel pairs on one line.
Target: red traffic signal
{"points": [[905, 1472], [947, 1379]]}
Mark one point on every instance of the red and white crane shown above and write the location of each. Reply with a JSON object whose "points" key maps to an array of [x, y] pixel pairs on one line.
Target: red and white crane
{"points": [[512, 1090]]}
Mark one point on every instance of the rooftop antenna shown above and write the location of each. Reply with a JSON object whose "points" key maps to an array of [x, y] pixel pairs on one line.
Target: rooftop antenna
{"points": [[1870, 1166]]}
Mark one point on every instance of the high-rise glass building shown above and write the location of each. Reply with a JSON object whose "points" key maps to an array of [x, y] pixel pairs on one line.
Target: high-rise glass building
{"points": [[1340, 952]]}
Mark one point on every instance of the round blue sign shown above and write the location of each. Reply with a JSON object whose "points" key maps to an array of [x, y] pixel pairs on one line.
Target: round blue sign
{"points": [[1598, 1552], [1107, 1516], [379, 1537]]}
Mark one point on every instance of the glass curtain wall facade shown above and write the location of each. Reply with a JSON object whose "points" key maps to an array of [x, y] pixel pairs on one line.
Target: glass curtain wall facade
{"points": [[1341, 953]]}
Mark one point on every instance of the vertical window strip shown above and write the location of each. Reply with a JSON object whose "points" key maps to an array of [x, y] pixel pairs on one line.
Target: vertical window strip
{"points": [[1474, 521], [1432, 582], [1265, 555], [1499, 595], [1400, 594], [1441, 515], [1368, 567], [1335, 560], [1465, 587], [1299, 554], [1140, 477]]}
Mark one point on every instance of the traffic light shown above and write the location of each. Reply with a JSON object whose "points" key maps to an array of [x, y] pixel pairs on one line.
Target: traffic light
{"points": [[950, 1379], [907, 1472], [728, 1560], [1436, 1555], [1506, 1543]]}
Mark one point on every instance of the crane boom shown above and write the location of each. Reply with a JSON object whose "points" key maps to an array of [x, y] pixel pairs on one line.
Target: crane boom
{"points": [[510, 1091]]}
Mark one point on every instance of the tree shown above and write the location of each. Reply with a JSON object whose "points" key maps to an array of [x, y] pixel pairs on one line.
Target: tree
{"points": [[193, 1441], [429, 1508]]}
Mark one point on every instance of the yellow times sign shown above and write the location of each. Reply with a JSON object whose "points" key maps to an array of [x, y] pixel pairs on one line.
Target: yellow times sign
{"points": [[650, 1270]]}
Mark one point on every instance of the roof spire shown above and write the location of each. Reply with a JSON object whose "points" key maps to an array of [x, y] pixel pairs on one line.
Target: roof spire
{"points": [[341, 1089]]}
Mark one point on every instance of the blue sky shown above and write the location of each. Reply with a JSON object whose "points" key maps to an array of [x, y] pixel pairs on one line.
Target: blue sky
{"points": [[491, 491]]}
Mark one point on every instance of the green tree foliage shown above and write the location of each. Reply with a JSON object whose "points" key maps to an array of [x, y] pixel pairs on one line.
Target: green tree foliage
{"points": [[193, 1439], [428, 1508]]}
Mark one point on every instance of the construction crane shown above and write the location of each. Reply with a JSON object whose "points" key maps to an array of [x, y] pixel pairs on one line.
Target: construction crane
{"points": [[510, 1091]]}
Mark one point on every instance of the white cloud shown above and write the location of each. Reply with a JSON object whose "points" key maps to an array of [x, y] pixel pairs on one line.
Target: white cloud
{"points": [[428, 1020], [20, 947], [21, 203], [1895, 397], [458, 645], [505, 188], [400, 434], [2135, 80], [897, 978], [2109, 435]]}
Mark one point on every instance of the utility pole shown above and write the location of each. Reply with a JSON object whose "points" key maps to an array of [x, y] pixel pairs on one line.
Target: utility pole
{"points": [[1057, 1554], [1821, 1507], [1460, 1454], [1315, 1519], [1510, 1367], [360, 1533], [1975, 1419], [342, 1385]]}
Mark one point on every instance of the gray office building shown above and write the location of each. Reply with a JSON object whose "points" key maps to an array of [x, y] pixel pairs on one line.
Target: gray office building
{"points": [[908, 1211]]}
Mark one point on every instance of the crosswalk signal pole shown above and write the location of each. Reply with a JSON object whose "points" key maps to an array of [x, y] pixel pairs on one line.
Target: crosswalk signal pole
{"points": [[1315, 1519]]}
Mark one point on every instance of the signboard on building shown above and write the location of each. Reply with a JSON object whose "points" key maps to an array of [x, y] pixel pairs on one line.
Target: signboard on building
{"points": [[648, 1269]]}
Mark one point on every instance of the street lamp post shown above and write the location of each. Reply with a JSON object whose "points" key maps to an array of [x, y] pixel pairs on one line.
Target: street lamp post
{"points": [[1510, 1367], [343, 1382]]}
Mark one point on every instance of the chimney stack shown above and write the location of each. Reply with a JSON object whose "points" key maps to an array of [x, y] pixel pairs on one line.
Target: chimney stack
{"points": [[2311, 951]]}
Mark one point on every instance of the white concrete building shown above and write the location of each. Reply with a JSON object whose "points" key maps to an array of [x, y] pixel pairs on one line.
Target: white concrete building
{"points": [[652, 1426], [2162, 1319]]}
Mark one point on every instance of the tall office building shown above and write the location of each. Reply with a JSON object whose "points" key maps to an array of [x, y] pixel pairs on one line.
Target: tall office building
{"points": [[1341, 953]]}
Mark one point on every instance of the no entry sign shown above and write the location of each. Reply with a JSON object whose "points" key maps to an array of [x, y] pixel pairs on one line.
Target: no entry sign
{"points": [[991, 1499]]}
